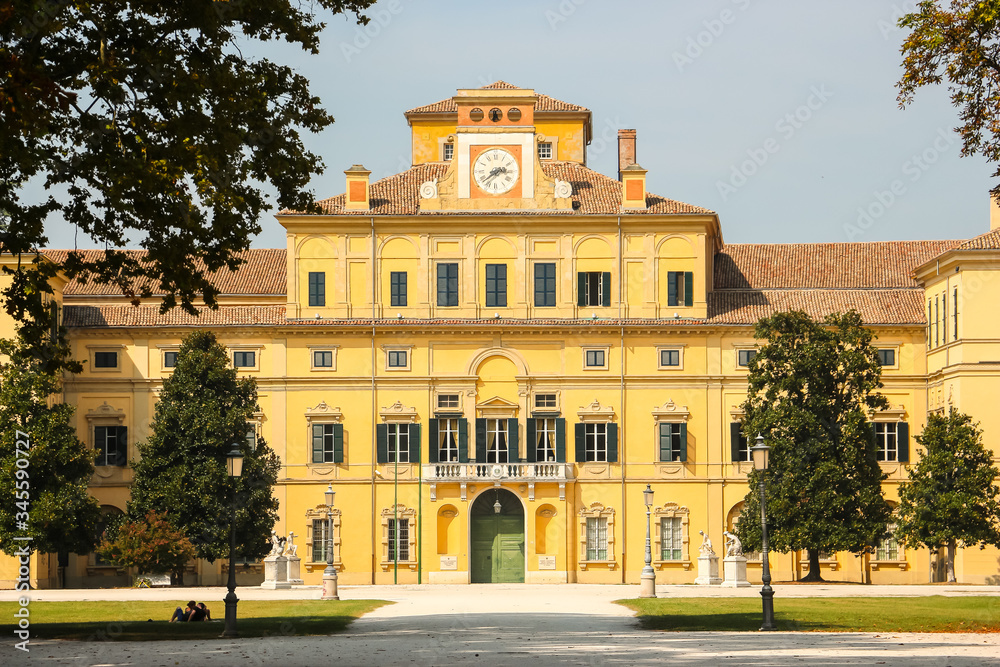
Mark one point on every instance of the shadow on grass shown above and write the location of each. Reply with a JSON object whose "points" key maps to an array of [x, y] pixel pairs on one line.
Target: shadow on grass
{"points": [[163, 630], [729, 622]]}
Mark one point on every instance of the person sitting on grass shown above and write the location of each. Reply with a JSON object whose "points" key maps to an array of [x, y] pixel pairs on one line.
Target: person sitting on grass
{"points": [[184, 616], [207, 614]]}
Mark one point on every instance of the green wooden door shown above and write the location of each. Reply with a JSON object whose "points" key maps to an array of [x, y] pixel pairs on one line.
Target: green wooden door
{"points": [[497, 544]]}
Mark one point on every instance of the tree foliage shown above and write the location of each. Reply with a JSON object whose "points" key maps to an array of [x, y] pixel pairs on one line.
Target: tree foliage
{"points": [[52, 489], [958, 41], [952, 496], [812, 388], [150, 544], [204, 408], [145, 121]]}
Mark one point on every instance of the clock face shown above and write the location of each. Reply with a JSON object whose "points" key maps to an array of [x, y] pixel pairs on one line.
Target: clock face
{"points": [[495, 171]]}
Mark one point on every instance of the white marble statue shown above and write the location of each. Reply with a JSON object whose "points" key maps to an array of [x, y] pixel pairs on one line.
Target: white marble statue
{"points": [[290, 546], [733, 545], [706, 545], [277, 544]]}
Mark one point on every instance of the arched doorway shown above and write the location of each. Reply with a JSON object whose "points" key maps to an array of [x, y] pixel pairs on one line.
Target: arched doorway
{"points": [[497, 549]]}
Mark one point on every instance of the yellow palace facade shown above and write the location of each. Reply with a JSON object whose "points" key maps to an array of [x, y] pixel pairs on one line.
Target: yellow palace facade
{"points": [[491, 354]]}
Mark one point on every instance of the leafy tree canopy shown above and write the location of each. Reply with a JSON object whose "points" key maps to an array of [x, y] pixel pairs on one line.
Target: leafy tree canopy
{"points": [[204, 408], [958, 41], [952, 496], [151, 544], [812, 388], [145, 121]]}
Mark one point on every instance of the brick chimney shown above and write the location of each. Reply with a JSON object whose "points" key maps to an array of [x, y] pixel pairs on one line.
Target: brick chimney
{"points": [[626, 150], [357, 188]]}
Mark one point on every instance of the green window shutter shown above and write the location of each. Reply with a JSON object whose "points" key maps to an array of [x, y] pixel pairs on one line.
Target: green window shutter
{"points": [[581, 442], [121, 459], [531, 441], [512, 448], [432, 441], [317, 456], [665, 432], [684, 442], [581, 288], [463, 441], [671, 288], [903, 442], [414, 443], [606, 289], [561, 440], [480, 440], [734, 441], [612, 443], [338, 443], [382, 443], [688, 288]]}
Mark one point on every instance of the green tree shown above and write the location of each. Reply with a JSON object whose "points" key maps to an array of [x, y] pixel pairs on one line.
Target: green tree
{"points": [[952, 497], [812, 388], [145, 120], [150, 544], [958, 41], [51, 487], [204, 408]]}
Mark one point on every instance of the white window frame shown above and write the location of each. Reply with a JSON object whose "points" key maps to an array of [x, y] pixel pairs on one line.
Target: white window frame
{"points": [[535, 407], [256, 349], [403, 513], [323, 348], [895, 356], [407, 349], [606, 350], [736, 354], [319, 513], [597, 511], [679, 349], [553, 142], [447, 408], [164, 350], [92, 351]]}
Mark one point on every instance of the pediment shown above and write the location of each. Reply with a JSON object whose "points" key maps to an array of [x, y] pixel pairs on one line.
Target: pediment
{"points": [[324, 412], [497, 407]]}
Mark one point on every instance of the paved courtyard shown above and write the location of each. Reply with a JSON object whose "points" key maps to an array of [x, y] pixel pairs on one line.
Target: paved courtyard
{"points": [[516, 624]]}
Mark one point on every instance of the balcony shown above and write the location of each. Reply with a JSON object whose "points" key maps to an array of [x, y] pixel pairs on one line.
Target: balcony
{"points": [[529, 473]]}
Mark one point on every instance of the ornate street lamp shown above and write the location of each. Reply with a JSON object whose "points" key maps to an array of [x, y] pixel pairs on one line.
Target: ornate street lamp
{"points": [[761, 456], [647, 580], [330, 573], [234, 465]]}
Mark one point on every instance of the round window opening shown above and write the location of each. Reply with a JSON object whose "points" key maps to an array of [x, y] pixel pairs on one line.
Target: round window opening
{"points": [[496, 114], [514, 114], [476, 115]]}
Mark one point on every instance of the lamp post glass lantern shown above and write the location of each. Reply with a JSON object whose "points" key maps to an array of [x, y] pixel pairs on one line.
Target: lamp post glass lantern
{"points": [[761, 462], [234, 466], [647, 581], [330, 573]]}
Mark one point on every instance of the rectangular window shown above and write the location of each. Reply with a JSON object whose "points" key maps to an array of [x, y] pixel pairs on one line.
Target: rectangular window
{"points": [[399, 443], [671, 538], [397, 289], [447, 284], [740, 445], [496, 285], [944, 317], [105, 360], [325, 443], [496, 441], [597, 538], [244, 359], [317, 288], [545, 150], [169, 359], [672, 442], [545, 401], [930, 321], [887, 357], [397, 358], [447, 401], [321, 540], [545, 285], [251, 437], [448, 152], [399, 541], [595, 359], [110, 443], [448, 440], [545, 439], [670, 358], [594, 288], [954, 315], [886, 439], [937, 321], [322, 359], [596, 442], [888, 547], [744, 357], [680, 288]]}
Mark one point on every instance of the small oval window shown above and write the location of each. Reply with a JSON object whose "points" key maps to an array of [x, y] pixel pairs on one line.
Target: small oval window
{"points": [[514, 114], [476, 115], [496, 114]]}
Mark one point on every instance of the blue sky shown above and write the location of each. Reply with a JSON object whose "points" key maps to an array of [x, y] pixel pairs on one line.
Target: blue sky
{"points": [[780, 116]]}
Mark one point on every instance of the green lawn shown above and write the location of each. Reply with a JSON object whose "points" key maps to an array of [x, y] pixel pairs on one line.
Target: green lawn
{"points": [[905, 614], [128, 620]]}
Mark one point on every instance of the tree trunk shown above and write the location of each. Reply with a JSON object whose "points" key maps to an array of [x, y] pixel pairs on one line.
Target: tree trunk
{"points": [[814, 574], [950, 566]]}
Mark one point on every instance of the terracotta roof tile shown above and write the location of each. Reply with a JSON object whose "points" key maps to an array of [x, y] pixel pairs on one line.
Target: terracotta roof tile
{"points": [[544, 103], [263, 273], [100, 317], [889, 306], [988, 241], [824, 265], [593, 194]]}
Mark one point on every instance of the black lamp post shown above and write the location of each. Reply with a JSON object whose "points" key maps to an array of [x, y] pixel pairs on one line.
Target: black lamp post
{"points": [[647, 580], [330, 573], [234, 464], [761, 456]]}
